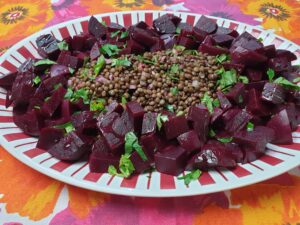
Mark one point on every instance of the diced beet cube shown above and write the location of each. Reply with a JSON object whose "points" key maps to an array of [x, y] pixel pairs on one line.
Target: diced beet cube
{"points": [[246, 41], [228, 31], [136, 113], [171, 161], [200, 118], [165, 24], [175, 126], [159, 45], [47, 46], [247, 57], [101, 157], [235, 151], [122, 125], [235, 120], [185, 26], [280, 123], [141, 25], [6, 81], [69, 60], [151, 143], [254, 142], [49, 136], [187, 42], [69, 148], [135, 47], [211, 50], [84, 122], [286, 53], [59, 70], [269, 51], [238, 67], [223, 40], [224, 102], [106, 121], [114, 143], [96, 28], [292, 114], [51, 82], [273, 93], [258, 85], [143, 37], [190, 141], [216, 115], [255, 105], [50, 106], [77, 42], [212, 155], [112, 27], [279, 64], [206, 25], [95, 51], [114, 107], [23, 88], [149, 123], [237, 93], [254, 74], [169, 40], [138, 163]]}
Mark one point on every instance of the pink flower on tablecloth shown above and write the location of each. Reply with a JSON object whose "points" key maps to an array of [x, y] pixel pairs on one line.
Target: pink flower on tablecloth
{"points": [[66, 10], [218, 8]]}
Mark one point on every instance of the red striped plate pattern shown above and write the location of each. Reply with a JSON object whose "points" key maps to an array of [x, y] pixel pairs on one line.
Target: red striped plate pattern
{"points": [[278, 159]]}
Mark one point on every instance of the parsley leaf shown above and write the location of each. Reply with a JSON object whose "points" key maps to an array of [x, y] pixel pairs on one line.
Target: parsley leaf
{"points": [[115, 33], [222, 58], [296, 80], [211, 133], [124, 34], [56, 86], [125, 166], [37, 107], [208, 102], [179, 113], [69, 94], [99, 65], [271, 74], [67, 126], [131, 143], [71, 70], [216, 103], [76, 95], [179, 48], [174, 91], [260, 39], [178, 30], [103, 23], [44, 62], [225, 139], [188, 178], [228, 78], [287, 84], [146, 61], [191, 52], [170, 108], [123, 100], [244, 79], [121, 62], [173, 71], [160, 119], [110, 49], [63, 45], [36, 80], [250, 126], [98, 104]]}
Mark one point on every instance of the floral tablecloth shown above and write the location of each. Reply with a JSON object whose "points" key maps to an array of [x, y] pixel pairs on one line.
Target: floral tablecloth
{"points": [[28, 197]]}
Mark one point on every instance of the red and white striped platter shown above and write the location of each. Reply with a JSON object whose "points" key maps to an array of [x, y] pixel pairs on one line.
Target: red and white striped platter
{"points": [[277, 160]]}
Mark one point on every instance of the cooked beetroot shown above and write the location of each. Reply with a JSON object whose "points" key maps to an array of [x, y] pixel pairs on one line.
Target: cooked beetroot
{"points": [[106, 121], [122, 125], [273, 93], [224, 102], [286, 53], [54, 101], [78, 42], [190, 141], [246, 41], [269, 51], [114, 143], [254, 142], [115, 27], [96, 28], [169, 40], [66, 109], [258, 85], [85, 123], [49, 136], [292, 114], [114, 107], [151, 143], [227, 31], [6, 81], [238, 67], [166, 24], [138, 163], [51, 82], [280, 123], [26, 66], [256, 106], [44, 40], [59, 70], [159, 45], [223, 40], [247, 57], [235, 150], [47, 46], [216, 115], [136, 113], [187, 42], [200, 118], [254, 74], [143, 37], [235, 120], [70, 61], [206, 25], [175, 126], [134, 47], [171, 160], [237, 93], [212, 155], [279, 64], [211, 50], [69, 148], [185, 26], [149, 123], [23, 88], [95, 51]]}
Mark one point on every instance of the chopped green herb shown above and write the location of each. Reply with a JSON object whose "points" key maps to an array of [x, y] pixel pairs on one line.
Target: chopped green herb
{"points": [[123, 100], [76, 95], [71, 70], [250, 126], [222, 58], [114, 34], [286, 84], [160, 119], [179, 113], [260, 39], [103, 23], [146, 61], [124, 34], [85, 60], [56, 86], [121, 62], [191, 52], [220, 71], [174, 91], [173, 71], [67, 126], [170, 108], [179, 48], [37, 107], [208, 102], [228, 78], [109, 49], [97, 105], [69, 94], [188, 178], [63, 45], [178, 30], [216, 103], [271, 74], [225, 139], [244, 79], [241, 99], [99, 65], [131, 143], [37, 80], [125, 166], [47, 99], [211, 133], [296, 80], [44, 62]]}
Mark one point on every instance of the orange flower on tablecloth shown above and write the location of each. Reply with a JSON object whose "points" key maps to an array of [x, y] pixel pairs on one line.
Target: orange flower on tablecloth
{"points": [[21, 18], [281, 15], [93, 6]]}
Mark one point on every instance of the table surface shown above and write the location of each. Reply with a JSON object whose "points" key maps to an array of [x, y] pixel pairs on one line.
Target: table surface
{"points": [[28, 197]]}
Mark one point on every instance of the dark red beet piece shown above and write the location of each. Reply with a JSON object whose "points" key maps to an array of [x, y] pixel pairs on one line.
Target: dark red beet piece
{"points": [[165, 24], [224, 102], [247, 57], [114, 143], [49, 136], [77, 42], [237, 93], [59, 70], [149, 123], [6, 81], [254, 142], [85, 123], [23, 88], [175, 126], [171, 161], [96, 28], [114, 107], [49, 83], [159, 45], [54, 101], [136, 113], [280, 123], [121, 126], [279, 64], [115, 27], [190, 141], [106, 121], [185, 26], [254, 74], [292, 114], [246, 41], [200, 118], [95, 51], [235, 151], [227, 31], [269, 51], [216, 115], [143, 37], [134, 47], [206, 25], [169, 40], [47, 46], [151, 143], [26, 66], [238, 67], [70, 61], [223, 40], [273, 93], [187, 42], [235, 120], [255, 105], [258, 85], [101, 158], [286, 53], [211, 50], [138, 163], [70, 148]]}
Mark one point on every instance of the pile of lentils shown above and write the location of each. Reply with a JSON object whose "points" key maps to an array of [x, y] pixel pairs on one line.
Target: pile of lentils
{"points": [[176, 78]]}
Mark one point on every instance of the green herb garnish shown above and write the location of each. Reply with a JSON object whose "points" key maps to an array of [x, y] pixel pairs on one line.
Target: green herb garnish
{"points": [[220, 71], [170, 108], [216, 103], [131, 143], [174, 90], [191, 52], [37, 107], [208, 102], [110, 49], [225, 139], [44, 62], [160, 119], [125, 166], [98, 104], [99, 65], [114, 34], [146, 61], [244, 79], [124, 34], [63, 45], [271, 74], [69, 94], [179, 113], [250, 126], [71, 70], [123, 100], [222, 58], [287, 84], [173, 71], [47, 99], [211, 133], [296, 80], [67, 126], [121, 62], [56, 86], [76, 95], [178, 30], [260, 39], [228, 78], [179, 48], [37, 80], [188, 178], [103, 23]]}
